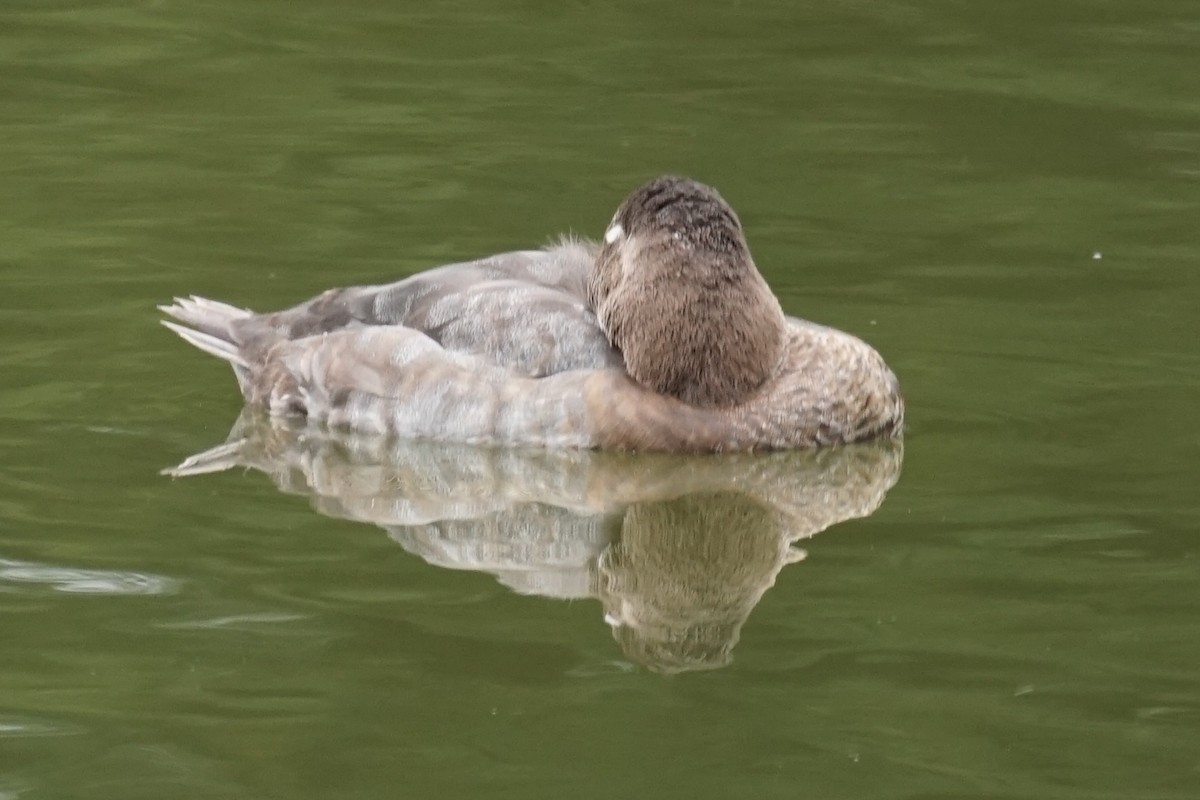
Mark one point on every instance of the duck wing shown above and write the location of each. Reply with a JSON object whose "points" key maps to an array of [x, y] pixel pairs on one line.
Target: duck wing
{"points": [[525, 311]]}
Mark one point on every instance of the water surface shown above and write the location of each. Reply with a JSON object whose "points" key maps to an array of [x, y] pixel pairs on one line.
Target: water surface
{"points": [[1002, 199]]}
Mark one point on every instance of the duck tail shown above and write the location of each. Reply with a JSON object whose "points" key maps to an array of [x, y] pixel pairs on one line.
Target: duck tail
{"points": [[208, 325], [209, 344], [207, 316]]}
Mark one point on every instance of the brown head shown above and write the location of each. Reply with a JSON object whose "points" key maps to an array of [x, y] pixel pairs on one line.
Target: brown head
{"points": [[676, 291]]}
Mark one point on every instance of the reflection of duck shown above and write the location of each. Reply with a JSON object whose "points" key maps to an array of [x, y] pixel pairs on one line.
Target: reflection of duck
{"points": [[664, 337], [678, 549], [686, 573]]}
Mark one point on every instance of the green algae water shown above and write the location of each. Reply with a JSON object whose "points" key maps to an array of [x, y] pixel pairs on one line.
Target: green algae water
{"points": [[1003, 199]]}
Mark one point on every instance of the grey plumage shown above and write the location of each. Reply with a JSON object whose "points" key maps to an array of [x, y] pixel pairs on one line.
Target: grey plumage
{"points": [[667, 338]]}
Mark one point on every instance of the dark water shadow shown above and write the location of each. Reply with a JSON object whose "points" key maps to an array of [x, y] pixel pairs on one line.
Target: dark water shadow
{"points": [[678, 549]]}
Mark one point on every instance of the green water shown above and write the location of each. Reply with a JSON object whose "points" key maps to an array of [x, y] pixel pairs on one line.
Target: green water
{"points": [[1003, 198]]}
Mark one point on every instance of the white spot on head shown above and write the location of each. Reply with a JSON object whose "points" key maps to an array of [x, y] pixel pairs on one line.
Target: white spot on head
{"points": [[614, 232]]}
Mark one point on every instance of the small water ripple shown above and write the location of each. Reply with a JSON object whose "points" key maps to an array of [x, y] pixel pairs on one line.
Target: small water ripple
{"points": [[12, 727], [235, 622], [83, 581]]}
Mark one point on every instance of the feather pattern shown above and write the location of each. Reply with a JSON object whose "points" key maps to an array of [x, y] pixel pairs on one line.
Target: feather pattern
{"points": [[665, 338]]}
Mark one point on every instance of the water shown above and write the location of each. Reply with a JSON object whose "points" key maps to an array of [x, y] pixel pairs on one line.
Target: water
{"points": [[1002, 199]]}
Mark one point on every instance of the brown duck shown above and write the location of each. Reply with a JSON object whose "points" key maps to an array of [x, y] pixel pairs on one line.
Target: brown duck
{"points": [[662, 337]]}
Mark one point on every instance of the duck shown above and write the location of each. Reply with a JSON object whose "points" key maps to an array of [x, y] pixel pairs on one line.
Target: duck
{"points": [[662, 336]]}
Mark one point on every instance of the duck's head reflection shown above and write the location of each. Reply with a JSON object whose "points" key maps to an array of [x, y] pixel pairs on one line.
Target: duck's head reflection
{"points": [[685, 573], [678, 550]]}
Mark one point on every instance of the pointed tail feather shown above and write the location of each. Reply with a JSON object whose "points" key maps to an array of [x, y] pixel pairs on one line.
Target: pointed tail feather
{"points": [[210, 344], [208, 316]]}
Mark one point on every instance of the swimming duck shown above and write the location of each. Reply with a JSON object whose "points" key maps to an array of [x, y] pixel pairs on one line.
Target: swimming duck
{"points": [[663, 336]]}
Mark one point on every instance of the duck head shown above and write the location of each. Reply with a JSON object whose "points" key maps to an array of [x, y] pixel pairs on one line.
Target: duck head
{"points": [[676, 291]]}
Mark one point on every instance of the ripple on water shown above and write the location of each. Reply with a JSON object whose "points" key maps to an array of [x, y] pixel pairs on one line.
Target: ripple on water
{"points": [[83, 581], [12, 727], [239, 622]]}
